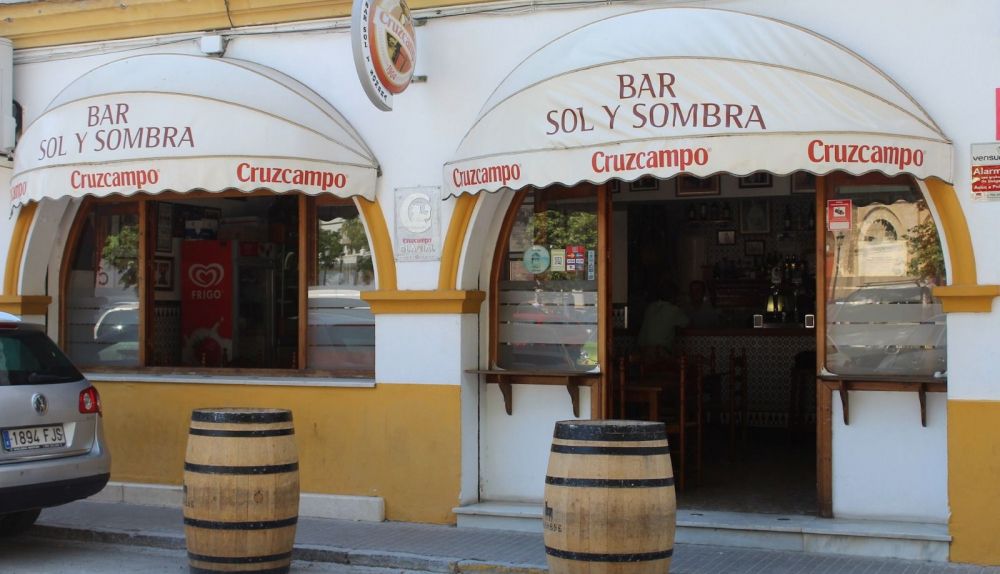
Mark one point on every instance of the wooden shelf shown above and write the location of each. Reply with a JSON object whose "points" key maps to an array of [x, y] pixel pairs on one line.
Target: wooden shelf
{"points": [[506, 379], [921, 386]]}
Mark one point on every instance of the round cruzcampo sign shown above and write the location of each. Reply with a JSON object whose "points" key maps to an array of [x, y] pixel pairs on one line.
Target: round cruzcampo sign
{"points": [[385, 48]]}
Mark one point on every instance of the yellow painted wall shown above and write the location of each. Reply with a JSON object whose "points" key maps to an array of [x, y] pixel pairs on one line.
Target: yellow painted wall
{"points": [[400, 442], [974, 480]]}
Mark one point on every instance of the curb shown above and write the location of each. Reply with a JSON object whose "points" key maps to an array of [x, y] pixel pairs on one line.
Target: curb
{"points": [[304, 552]]}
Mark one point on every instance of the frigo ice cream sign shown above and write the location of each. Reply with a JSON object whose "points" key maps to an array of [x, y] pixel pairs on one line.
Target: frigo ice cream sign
{"points": [[384, 47]]}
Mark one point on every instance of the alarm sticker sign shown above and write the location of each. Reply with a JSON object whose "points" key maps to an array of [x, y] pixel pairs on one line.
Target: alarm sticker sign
{"points": [[838, 214]]}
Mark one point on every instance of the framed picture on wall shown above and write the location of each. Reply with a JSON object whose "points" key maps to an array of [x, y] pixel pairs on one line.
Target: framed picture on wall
{"points": [[614, 185], [726, 237], [691, 186], [164, 227], [757, 179], [645, 183], [755, 216], [163, 274]]}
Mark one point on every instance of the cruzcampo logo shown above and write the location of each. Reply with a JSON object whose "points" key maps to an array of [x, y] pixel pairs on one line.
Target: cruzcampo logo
{"points": [[385, 48]]}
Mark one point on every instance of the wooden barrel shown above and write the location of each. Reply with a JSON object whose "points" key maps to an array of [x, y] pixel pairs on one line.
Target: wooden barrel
{"points": [[610, 506], [241, 490]]}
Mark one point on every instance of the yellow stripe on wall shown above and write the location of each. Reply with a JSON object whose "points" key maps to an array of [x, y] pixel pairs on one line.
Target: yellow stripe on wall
{"points": [[974, 480], [35, 24], [399, 442]]}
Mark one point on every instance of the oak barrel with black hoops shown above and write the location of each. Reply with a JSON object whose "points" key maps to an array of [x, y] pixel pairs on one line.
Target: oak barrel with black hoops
{"points": [[610, 506], [241, 490]]}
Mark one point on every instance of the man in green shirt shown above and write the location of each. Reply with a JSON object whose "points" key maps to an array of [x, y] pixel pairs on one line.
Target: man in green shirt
{"points": [[660, 322]]}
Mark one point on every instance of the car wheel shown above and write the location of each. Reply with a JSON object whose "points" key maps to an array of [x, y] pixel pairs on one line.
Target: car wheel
{"points": [[17, 522]]}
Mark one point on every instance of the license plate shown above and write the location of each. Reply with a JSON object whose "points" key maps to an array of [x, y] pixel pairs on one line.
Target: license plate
{"points": [[34, 437]]}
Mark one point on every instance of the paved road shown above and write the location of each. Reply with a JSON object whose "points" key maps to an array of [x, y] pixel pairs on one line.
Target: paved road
{"points": [[29, 555]]}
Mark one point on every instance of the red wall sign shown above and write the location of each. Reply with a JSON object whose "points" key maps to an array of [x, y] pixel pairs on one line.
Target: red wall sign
{"points": [[838, 214], [207, 302]]}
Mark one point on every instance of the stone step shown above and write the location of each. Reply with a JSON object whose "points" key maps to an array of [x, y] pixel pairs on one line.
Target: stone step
{"points": [[871, 538]]}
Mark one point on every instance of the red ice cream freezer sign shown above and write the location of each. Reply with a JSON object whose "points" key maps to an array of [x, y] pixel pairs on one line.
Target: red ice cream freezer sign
{"points": [[838, 214], [207, 302]]}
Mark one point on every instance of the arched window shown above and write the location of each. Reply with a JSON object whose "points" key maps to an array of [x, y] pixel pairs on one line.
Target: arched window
{"points": [[234, 280], [546, 295], [881, 317], [881, 230]]}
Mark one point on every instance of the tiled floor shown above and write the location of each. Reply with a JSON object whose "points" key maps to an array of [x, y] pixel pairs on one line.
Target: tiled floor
{"points": [[773, 472]]}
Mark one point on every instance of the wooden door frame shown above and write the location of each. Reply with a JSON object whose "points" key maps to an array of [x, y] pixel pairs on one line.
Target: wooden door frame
{"points": [[605, 324], [824, 398]]}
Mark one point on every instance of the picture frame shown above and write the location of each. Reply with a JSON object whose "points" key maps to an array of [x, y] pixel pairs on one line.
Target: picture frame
{"points": [[645, 183], [691, 186], [163, 273], [164, 228], [755, 216], [726, 237], [753, 247], [614, 185], [803, 182], [756, 180]]}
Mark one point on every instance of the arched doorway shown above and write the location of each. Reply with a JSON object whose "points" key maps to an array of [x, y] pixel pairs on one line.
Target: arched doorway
{"points": [[658, 114]]}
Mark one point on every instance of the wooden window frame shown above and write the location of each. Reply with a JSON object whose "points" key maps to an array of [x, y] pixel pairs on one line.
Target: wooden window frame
{"points": [[147, 244], [829, 386], [598, 382]]}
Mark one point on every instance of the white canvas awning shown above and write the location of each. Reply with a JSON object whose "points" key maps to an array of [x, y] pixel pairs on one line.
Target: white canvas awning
{"points": [[701, 91], [163, 122]]}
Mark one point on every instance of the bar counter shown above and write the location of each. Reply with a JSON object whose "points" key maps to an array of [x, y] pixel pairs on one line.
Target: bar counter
{"points": [[771, 352]]}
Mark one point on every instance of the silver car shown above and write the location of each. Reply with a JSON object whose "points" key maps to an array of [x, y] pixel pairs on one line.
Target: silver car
{"points": [[52, 448]]}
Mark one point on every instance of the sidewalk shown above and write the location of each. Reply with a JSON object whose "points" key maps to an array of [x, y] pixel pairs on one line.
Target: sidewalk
{"points": [[430, 548]]}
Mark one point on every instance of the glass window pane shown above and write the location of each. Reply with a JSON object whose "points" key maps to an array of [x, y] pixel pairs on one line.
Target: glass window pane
{"points": [[881, 316], [30, 358], [226, 287], [547, 296], [341, 325], [102, 295]]}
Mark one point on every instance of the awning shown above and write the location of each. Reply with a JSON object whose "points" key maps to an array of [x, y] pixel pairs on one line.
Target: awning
{"points": [[163, 122], [701, 91]]}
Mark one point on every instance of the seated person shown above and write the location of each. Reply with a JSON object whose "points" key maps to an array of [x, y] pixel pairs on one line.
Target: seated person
{"points": [[659, 327], [699, 309]]}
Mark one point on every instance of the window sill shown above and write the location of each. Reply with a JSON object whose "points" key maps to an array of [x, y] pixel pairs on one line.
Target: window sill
{"points": [[213, 379], [573, 380], [920, 385]]}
